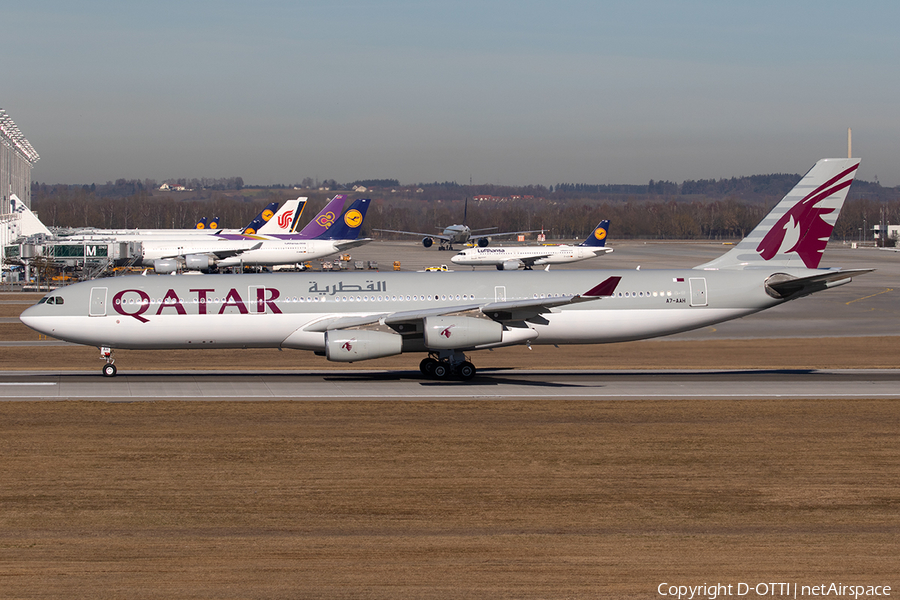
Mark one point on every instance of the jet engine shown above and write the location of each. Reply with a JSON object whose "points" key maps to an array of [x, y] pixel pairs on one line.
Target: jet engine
{"points": [[427, 242], [350, 345], [199, 262], [509, 265], [453, 333], [165, 265], [482, 242]]}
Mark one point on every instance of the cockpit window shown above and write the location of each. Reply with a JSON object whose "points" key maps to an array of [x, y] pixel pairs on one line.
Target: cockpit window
{"points": [[60, 300], [42, 300]]}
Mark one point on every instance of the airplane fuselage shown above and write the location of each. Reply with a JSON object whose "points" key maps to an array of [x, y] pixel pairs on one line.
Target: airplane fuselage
{"points": [[292, 310], [537, 255]]}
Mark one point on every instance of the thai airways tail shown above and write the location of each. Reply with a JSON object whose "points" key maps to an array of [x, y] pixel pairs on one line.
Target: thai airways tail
{"points": [[325, 219], [597, 238], [28, 222], [284, 220], [267, 213], [796, 231], [350, 223]]}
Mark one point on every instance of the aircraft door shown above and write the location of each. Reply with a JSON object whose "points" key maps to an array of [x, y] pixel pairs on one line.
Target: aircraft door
{"points": [[500, 293], [97, 307], [698, 291]]}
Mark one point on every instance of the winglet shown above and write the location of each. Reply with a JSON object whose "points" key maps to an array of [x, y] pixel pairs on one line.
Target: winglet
{"points": [[605, 288]]}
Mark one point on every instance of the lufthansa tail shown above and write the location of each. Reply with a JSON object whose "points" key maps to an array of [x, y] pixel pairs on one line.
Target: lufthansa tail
{"points": [[350, 223], [597, 238]]}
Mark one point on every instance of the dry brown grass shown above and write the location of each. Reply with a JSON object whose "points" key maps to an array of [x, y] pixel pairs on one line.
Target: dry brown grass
{"points": [[437, 500]]}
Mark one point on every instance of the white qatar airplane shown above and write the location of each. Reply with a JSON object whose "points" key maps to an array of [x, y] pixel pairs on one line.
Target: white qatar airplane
{"points": [[510, 258], [459, 234], [350, 317]]}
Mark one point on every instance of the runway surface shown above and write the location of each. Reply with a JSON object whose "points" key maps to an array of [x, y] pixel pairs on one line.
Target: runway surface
{"points": [[501, 384]]}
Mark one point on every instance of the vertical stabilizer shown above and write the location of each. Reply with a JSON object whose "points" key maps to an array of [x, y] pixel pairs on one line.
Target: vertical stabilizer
{"points": [[348, 226], [796, 231], [325, 219], [598, 236], [28, 223], [261, 219], [283, 220]]}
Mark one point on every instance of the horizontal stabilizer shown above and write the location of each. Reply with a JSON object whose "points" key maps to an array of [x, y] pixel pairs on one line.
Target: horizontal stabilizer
{"points": [[785, 286]]}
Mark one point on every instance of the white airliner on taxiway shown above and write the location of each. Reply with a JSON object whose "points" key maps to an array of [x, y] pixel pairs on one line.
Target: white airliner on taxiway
{"points": [[349, 317], [510, 258]]}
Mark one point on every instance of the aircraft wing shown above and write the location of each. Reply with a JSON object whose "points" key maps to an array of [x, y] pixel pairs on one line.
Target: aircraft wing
{"points": [[508, 310], [347, 244], [224, 253], [529, 261], [438, 236]]}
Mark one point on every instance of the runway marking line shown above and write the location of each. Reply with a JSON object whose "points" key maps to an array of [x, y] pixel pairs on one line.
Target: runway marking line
{"points": [[886, 290]]}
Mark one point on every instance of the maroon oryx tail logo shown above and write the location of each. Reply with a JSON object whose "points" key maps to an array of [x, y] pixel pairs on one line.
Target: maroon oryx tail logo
{"points": [[346, 346], [804, 223], [446, 332]]}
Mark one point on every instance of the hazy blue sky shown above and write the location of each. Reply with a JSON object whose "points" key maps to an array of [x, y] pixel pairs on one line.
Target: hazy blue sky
{"points": [[503, 92]]}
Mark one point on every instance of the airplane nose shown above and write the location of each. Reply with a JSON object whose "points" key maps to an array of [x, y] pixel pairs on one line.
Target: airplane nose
{"points": [[30, 318]]}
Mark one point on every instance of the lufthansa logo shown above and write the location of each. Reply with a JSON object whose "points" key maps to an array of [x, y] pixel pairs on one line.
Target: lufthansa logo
{"points": [[267, 214], [600, 233], [353, 218]]}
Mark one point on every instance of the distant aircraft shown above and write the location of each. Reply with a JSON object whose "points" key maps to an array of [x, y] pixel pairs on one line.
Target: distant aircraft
{"points": [[28, 223], [510, 258], [458, 234], [349, 317], [286, 249], [324, 219], [283, 220]]}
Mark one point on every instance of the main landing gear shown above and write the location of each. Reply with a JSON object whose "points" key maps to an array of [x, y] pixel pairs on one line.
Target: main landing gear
{"points": [[109, 369], [447, 365]]}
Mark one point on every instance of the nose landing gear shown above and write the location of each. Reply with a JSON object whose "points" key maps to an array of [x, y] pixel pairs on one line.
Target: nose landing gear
{"points": [[109, 369]]}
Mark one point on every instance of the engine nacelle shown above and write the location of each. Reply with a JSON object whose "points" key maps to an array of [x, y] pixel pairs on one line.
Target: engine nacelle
{"points": [[453, 333], [351, 345], [198, 262], [428, 242], [483, 242], [509, 265], [166, 265]]}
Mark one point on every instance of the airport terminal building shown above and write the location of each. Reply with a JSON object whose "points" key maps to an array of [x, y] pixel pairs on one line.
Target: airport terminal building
{"points": [[17, 157]]}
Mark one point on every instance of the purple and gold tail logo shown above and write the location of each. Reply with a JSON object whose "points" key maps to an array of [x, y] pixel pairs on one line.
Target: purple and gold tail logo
{"points": [[803, 229], [326, 220]]}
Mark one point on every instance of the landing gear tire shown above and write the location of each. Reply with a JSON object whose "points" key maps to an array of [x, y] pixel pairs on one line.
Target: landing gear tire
{"points": [[427, 366], [466, 371], [441, 371], [109, 370]]}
